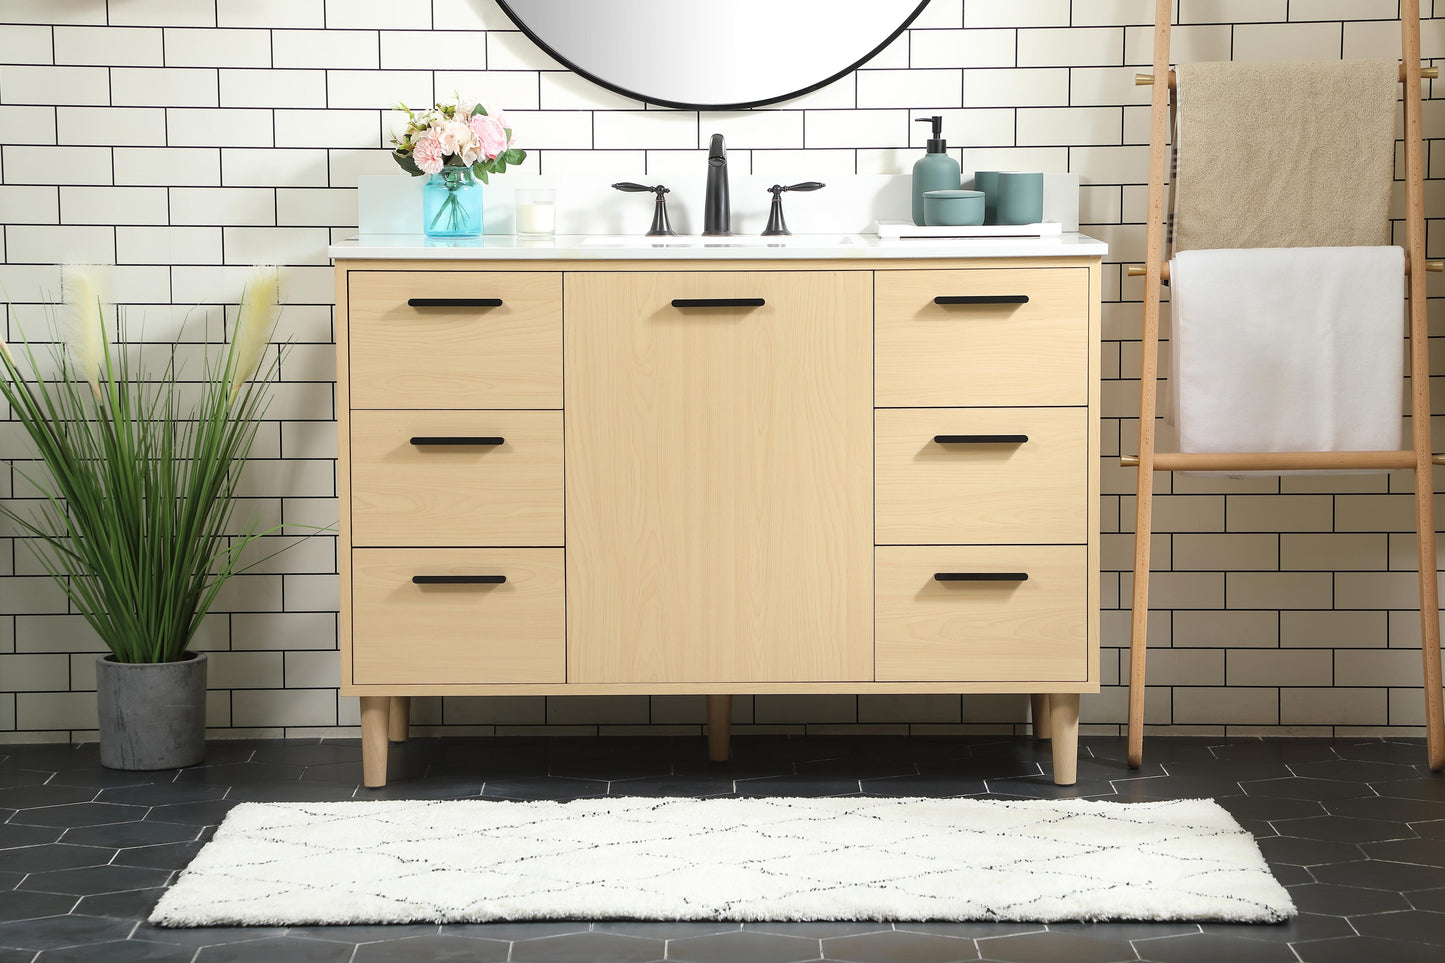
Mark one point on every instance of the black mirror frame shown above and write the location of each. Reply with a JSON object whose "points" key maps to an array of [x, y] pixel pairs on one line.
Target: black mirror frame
{"points": [[680, 105]]}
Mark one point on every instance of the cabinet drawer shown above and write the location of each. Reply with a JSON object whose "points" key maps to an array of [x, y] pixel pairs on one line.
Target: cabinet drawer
{"points": [[465, 632], [1016, 337], [964, 475], [493, 341], [983, 630], [456, 478]]}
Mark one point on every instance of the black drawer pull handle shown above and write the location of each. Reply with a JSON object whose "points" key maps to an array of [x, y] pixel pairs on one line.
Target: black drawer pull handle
{"points": [[455, 302], [423, 441], [458, 579], [980, 439], [717, 302], [982, 299], [980, 576]]}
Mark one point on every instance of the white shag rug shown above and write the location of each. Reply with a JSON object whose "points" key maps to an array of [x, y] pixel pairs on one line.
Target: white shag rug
{"points": [[725, 859]]}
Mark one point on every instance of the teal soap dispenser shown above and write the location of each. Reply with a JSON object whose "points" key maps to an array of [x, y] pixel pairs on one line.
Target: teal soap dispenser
{"points": [[935, 170]]}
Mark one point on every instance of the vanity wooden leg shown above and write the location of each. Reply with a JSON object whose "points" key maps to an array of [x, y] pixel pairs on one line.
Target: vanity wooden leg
{"points": [[374, 713], [1064, 720], [398, 718], [719, 727], [1040, 703]]}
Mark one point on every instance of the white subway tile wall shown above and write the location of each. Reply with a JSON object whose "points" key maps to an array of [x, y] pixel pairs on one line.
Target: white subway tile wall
{"points": [[178, 142]]}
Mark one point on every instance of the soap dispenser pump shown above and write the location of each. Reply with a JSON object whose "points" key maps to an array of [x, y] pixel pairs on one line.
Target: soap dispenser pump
{"points": [[935, 170]]}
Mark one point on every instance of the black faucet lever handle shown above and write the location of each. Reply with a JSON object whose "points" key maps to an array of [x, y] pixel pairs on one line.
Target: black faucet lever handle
{"points": [[632, 188], [805, 186]]}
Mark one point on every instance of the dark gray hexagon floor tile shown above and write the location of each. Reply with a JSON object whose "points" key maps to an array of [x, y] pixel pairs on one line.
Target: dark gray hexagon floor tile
{"points": [[1431, 788], [1174, 787], [29, 797], [280, 950], [1379, 874], [1302, 852], [195, 936], [20, 905], [56, 931], [1432, 900], [375, 933], [34, 859], [866, 767], [1229, 769], [1212, 948], [14, 835], [1365, 949], [1299, 787], [1332, 899], [16, 956], [1288, 751], [1075, 947], [432, 949], [240, 774], [900, 947], [101, 779], [1161, 750], [543, 787], [608, 769], [1343, 829], [1291, 875], [1305, 926], [78, 814], [12, 777], [431, 787], [56, 757], [747, 945], [820, 930], [208, 813], [159, 856], [1403, 752], [666, 929], [1384, 807], [972, 931], [1043, 787], [587, 946], [132, 904], [516, 931], [800, 786], [1416, 926], [291, 792], [1269, 807], [162, 794], [1354, 770], [1430, 852], [932, 785], [9, 881], [119, 951], [139, 833], [1428, 828], [95, 879], [697, 786], [306, 753]]}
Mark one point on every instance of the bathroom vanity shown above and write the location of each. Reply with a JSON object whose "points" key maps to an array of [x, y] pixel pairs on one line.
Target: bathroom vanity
{"points": [[828, 464]]}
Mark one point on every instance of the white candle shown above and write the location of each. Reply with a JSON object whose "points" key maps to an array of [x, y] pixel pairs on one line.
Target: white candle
{"points": [[536, 218]]}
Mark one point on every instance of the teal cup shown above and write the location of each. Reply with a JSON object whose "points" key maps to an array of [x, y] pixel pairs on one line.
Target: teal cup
{"points": [[987, 182], [949, 208], [1020, 197]]}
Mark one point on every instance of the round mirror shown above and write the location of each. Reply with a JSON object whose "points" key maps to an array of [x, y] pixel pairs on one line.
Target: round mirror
{"points": [[719, 54]]}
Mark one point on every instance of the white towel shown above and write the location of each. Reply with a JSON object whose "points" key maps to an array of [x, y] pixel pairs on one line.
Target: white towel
{"points": [[1288, 349]]}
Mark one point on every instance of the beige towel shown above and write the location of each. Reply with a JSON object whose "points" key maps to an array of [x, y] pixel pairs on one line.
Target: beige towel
{"points": [[1285, 154]]}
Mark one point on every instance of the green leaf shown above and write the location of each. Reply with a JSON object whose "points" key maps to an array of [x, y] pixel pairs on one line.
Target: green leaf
{"points": [[514, 156], [405, 162], [479, 109], [481, 172]]}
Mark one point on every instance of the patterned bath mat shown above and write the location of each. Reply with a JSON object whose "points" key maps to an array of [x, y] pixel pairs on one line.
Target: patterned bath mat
{"points": [[725, 859]]}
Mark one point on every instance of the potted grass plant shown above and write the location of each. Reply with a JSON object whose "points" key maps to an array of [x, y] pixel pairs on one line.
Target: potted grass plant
{"points": [[136, 502]]}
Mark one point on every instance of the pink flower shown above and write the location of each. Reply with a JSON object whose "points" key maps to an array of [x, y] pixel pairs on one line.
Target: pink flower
{"points": [[491, 137], [428, 155]]}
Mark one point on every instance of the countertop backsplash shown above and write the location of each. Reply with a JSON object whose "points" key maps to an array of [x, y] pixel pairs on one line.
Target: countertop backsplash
{"points": [[178, 142]]}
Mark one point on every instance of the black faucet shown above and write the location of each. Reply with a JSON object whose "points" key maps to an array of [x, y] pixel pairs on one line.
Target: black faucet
{"points": [[716, 219]]}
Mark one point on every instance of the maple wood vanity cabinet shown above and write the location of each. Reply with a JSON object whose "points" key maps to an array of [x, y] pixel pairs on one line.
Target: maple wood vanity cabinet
{"points": [[685, 472]]}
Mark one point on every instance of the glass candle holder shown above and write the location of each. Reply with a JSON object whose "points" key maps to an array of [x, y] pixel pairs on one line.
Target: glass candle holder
{"points": [[535, 210]]}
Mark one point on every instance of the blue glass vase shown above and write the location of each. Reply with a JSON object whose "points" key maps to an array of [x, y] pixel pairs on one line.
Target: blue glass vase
{"points": [[452, 204]]}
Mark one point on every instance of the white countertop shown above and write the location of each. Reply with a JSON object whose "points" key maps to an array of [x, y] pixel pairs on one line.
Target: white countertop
{"points": [[574, 247]]}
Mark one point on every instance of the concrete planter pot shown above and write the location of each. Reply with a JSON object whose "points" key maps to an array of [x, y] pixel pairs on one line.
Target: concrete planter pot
{"points": [[152, 714]]}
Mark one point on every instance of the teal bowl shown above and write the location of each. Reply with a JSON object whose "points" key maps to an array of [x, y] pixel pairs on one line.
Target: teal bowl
{"points": [[951, 208]]}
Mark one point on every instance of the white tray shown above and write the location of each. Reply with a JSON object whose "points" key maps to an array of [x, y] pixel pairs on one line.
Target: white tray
{"points": [[895, 230]]}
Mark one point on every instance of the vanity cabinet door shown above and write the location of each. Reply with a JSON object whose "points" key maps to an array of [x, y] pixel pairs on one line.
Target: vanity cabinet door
{"points": [[719, 476]]}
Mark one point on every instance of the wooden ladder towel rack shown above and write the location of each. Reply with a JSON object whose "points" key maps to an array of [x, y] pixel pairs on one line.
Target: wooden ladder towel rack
{"points": [[1418, 457]]}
